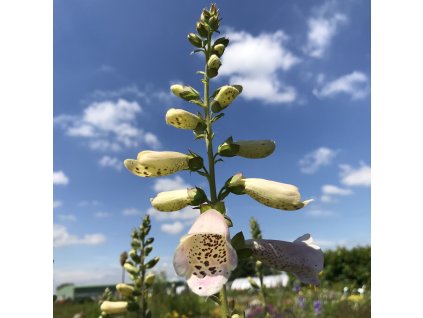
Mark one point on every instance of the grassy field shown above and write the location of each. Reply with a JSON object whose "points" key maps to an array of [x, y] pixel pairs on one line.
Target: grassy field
{"points": [[283, 303]]}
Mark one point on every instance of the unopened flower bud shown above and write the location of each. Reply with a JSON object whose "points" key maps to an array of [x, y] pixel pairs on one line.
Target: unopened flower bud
{"points": [[213, 65], [187, 93], [178, 199], [114, 307], [195, 40], [214, 23], [125, 289], [182, 119], [255, 149], [157, 163], [135, 243], [149, 279], [202, 29], [205, 15], [131, 269], [123, 258], [219, 49], [225, 96], [253, 283]]}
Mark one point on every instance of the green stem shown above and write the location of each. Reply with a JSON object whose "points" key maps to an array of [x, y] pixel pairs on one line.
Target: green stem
{"points": [[142, 287], [211, 176]]}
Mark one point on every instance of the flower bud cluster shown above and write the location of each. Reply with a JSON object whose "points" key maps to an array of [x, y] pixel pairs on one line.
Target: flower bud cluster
{"points": [[132, 297]]}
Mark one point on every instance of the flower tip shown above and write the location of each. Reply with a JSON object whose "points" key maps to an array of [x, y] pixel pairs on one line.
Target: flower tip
{"points": [[306, 202]]}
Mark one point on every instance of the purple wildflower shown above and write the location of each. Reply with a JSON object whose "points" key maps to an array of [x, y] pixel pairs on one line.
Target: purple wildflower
{"points": [[317, 307]]}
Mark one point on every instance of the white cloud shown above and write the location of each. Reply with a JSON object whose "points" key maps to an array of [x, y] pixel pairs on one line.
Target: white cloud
{"points": [[113, 162], [108, 126], [131, 212], [102, 214], [57, 204], [320, 213], [311, 162], [88, 203], [354, 84], [59, 178], [329, 191], [253, 62], [187, 213], [323, 25], [66, 217], [169, 184], [355, 177], [172, 228], [61, 237]]}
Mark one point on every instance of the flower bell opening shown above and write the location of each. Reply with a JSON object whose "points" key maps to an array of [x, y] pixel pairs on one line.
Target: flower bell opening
{"points": [[205, 256]]}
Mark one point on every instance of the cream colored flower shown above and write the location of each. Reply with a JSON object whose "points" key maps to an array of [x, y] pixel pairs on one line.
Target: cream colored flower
{"points": [[270, 193], [125, 289], [114, 307], [157, 163], [302, 257], [226, 95], [175, 200], [214, 62], [219, 48], [149, 279], [255, 149], [182, 119]]}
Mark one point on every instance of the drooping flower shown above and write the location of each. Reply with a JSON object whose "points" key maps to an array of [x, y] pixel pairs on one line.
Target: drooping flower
{"points": [[157, 163], [114, 307], [175, 200], [302, 257], [270, 193], [182, 119], [205, 256], [255, 149]]}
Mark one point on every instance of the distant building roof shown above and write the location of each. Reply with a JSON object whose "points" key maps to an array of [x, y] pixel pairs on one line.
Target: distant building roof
{"points": [[268, 281]]}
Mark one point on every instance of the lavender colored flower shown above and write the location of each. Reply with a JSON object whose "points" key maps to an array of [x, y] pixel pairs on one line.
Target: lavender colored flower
{"points": [[317, 307], [301, 302]]}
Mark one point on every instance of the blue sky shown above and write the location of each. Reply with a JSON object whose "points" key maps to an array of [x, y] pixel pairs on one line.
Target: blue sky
{"points": [[305, 68]]}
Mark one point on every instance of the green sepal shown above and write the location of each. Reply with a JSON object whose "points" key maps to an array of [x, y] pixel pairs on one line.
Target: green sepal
{"points": [[238, 241], [190, 94], [200, 197], [253, 283], [202, 29], [149, 240], [196, 51], [215, 92], [147, 250], [212, 72], [215, 106], [217, 117], [133, 306], [228, 221], [238, 87], [228, 148], [195, 163], [223, 40], [238, 190], [201, 127], [152, 262], [215, 298], [244, 253]]}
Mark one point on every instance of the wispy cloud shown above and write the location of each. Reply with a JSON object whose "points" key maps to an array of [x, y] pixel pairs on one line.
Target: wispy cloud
{"points": [[329, 191], [172, 228], [360, 176], [312, 161], [355, 84], [61, 237], [131, 212], [66, 217], [108, 126], [253, 62], [59, 178], [319, 213], [112, 162], [323, 25], [187, 213], [102, 214], [57, 204], [168, 184], [86, 203]]}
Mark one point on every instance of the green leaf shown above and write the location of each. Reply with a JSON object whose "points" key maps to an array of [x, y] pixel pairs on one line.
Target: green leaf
{"points": [[244, 253], [238, 241], [217, 117]]}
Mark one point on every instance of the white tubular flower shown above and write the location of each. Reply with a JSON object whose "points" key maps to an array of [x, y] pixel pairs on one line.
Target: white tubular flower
{"points": [[302, 257], [182, 119], [205, 255], [273, 194], [125, 289], [255, 149], [114, 307], [178, 199], [157, 163]]}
